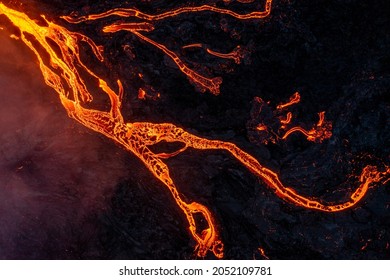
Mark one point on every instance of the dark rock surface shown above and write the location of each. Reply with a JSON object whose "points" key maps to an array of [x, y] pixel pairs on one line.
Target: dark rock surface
{"points": [[78, 196]]}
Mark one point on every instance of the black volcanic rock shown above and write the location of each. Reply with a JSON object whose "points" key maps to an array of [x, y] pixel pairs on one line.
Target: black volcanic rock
{"points": [[89, 199]]}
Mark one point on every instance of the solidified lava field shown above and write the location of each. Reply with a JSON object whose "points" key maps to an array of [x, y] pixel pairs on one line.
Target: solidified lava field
{"points": [[67, 192]]}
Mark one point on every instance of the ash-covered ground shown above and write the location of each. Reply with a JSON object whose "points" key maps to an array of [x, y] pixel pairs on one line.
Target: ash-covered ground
{"points": [[68, 193]]}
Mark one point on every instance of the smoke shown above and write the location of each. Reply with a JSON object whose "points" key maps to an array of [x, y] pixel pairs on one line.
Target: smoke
{"points": [[55, 175]]}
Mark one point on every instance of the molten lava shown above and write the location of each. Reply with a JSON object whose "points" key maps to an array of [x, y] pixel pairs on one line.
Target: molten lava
{"points": [[271, 133], [294, 99], [321, 131], [201, 82], [237, 54], [62, 69]]}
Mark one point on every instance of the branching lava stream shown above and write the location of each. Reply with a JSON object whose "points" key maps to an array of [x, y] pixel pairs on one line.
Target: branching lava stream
{"points": [[62, 73]]}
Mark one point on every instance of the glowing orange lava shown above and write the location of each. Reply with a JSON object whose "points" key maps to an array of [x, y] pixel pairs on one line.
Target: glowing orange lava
{"points": [[294, 99], [262, 252], [141, 94], [317, 134], [201, 82], [61, 71], [131, 12], [237, 54]]}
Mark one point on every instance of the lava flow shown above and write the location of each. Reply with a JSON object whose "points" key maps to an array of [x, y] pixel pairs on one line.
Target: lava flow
{"points": [[58, 55], [269, 124], [201, 82], [237, 54]]}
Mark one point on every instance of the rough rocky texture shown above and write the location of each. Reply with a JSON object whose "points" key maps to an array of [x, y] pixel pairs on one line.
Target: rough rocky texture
{"points": [[80, 197]]}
